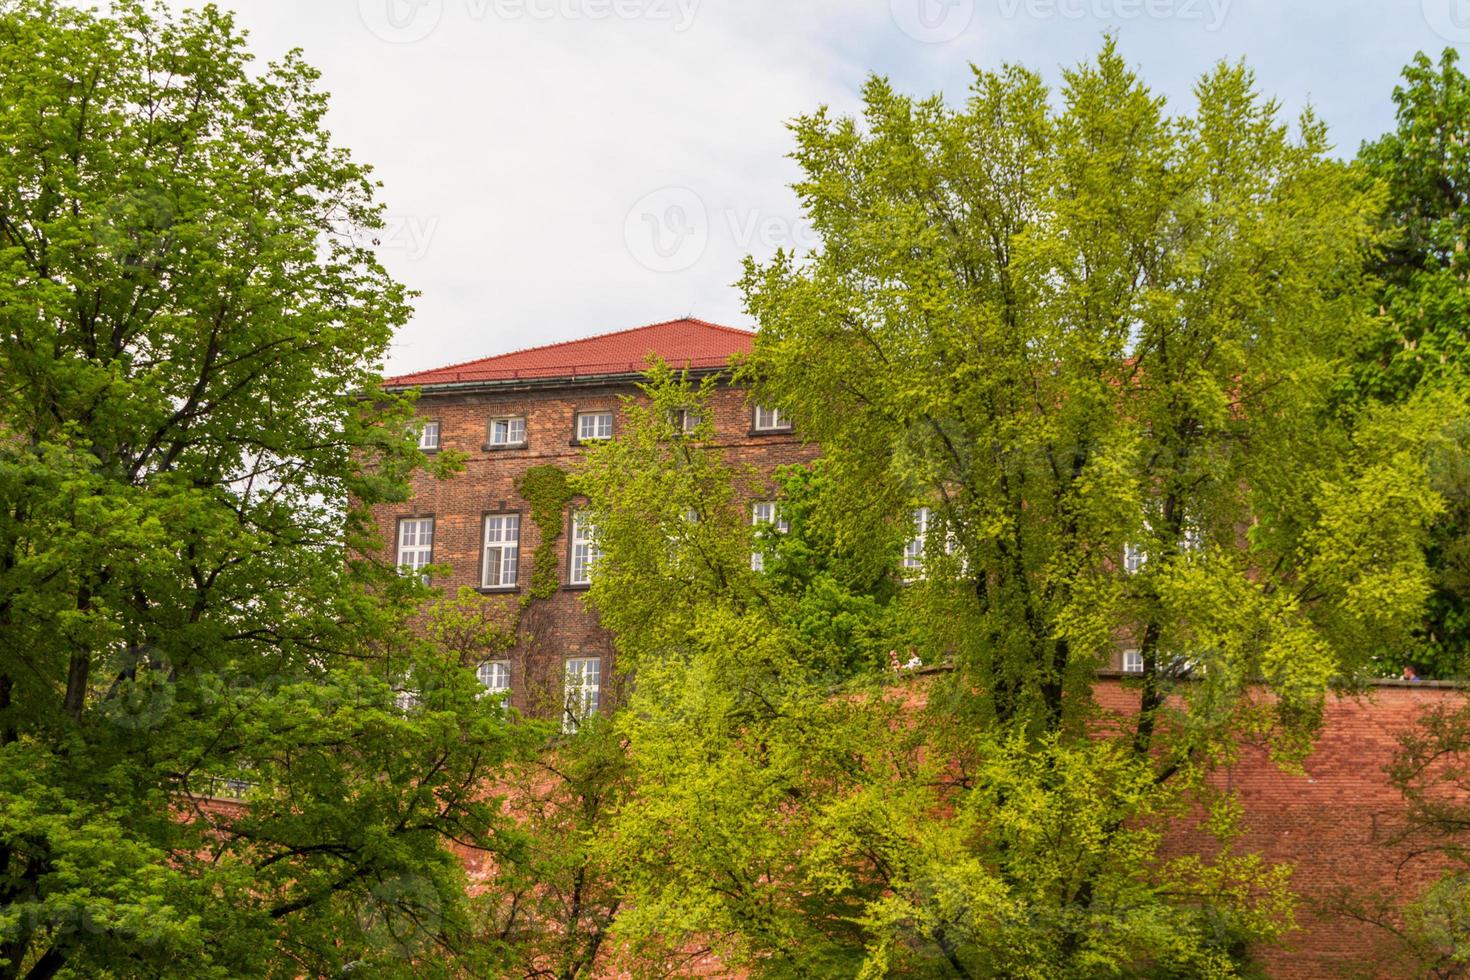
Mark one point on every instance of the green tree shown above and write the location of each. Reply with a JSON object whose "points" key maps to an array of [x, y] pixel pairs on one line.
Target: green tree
{"points": [[555, 900], [191, 324], [1422, 345], [1073, 330]]}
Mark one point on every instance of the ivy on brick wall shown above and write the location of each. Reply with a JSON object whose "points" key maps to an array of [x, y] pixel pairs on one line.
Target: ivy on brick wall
{"points": [[548, 491]]}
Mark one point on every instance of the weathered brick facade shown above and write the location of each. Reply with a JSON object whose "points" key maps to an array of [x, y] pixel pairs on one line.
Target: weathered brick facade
{"points": [[549, 394]]}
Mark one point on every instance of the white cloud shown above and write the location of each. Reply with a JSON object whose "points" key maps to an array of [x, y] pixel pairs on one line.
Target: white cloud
{"points": [[514, 137]]}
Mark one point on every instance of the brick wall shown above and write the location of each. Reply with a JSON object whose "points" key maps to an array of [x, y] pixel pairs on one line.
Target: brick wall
{"points": [[1333, 824], [563, 626]]}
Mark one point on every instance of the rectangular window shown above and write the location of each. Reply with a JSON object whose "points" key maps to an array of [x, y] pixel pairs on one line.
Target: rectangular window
{"points": [[685, 420], [592, 426], [494, 676], [584, 549], [765, 512], [1192, 538], [770, 420], [429, 437], [913, 552], [415, 543], [502, 551], [508, 431], [1134, 558], [1132, 662], [583, 691]]}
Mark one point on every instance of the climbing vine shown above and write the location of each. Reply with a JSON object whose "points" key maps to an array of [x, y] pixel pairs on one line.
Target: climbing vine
{"points": [[548, 491]]}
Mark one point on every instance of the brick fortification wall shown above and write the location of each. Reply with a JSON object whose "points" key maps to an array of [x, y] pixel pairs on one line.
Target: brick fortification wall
{"points": [[1333, 825]]}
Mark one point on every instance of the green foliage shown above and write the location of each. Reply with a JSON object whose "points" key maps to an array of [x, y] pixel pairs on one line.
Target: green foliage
{"points": [[548, 491], [837, 601], [191, 437], [555, 899], [1064, 325], [800, 816], [1129, 333], [1421, 345], [1424, 165]]}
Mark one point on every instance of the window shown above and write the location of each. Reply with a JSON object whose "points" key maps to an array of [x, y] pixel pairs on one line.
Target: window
{"points": [[584, 549], [494, 676], [770, 420], [508, 431], [502, 551], [765, 512], [1191, 540], [583, 688], [685, 420], [429, 437], [592, 426], [415, 543], [1134, 558], [1191, 537], [1132, 662], [913, 552]]}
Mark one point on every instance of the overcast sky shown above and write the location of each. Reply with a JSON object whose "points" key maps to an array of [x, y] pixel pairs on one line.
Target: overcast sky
{"points": [[556, 168]]}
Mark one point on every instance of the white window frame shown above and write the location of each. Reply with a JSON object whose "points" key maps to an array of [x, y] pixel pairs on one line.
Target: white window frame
{"points": [[765, 512], [500, 551], [581, 690], [507, 430], [685, 420], [494, 676], [1191, 537], [770, 420], [414, 550], [1134, 558], [1132, 661], [583, 551], [594, 426], [913, 550], [429, 436]]}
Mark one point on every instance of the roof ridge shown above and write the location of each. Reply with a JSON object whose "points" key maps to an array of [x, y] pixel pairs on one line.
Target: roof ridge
{"points": [[575, 340]]}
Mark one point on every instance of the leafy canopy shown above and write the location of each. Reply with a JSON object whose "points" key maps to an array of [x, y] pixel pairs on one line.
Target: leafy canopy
{"points": [[191, 324], [1421, 347], [1066, 327]]}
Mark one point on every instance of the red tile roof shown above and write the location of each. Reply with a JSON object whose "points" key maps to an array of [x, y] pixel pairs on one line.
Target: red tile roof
{"points": [[683, 343]]}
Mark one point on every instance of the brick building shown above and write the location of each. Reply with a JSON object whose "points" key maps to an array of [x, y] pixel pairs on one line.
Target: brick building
{"points": [[1334, 822], [539, 406]]}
